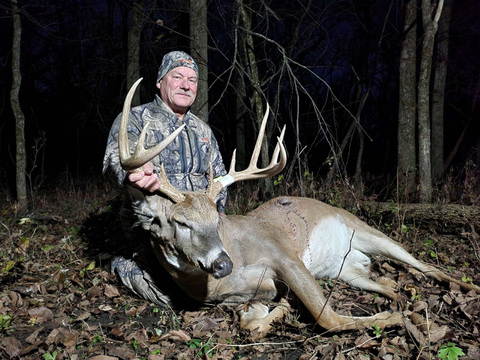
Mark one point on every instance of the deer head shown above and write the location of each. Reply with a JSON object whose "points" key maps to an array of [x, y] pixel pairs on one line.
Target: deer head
{"points": [[193, 220]]}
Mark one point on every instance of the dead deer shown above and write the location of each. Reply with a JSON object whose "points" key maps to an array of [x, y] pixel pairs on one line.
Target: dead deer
{"points": [[239, 259]]}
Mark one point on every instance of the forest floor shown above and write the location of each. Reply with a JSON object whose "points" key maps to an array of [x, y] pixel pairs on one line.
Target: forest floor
{"points": [[58, 299]]}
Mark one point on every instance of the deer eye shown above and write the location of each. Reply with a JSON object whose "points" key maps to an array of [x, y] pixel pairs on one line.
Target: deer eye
{"points": [[182, 226]]}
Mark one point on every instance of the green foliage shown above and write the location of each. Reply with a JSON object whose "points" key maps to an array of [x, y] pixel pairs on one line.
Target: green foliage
{"points": [[325, 283], [204, 349], [467, 279], [5, 321], [450, 351], [429, 244], [49, 356], [97, 339], [377, 331], [278, 180], [89, 267], [9, 265]]}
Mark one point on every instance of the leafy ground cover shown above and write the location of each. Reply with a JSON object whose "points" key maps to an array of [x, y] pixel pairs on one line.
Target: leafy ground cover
{"points": [[58, 299]]}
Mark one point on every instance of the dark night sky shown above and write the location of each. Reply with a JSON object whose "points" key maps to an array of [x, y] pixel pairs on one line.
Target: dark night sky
{"points": [[73, 76]]}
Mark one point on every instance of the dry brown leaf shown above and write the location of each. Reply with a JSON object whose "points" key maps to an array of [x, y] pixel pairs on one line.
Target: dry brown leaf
{"points": [[205, 324], [32, 339], [131, 312], [419, 306], [176, 335], [103, 357], [52, 337], [105, 307], [420, 322], [59, 276], [11, 346], [438, 333], [414, 332], [83, 316], [365, 341], [111, 291], [16, 298], [117, 330], [70, 340], [155, 357], [41, 314], [94, 292]]}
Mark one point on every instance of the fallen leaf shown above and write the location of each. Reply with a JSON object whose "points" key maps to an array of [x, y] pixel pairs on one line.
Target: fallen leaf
{"points": [[83, 316], [12, 346], [414, 332], [111, 291], [41, 314], [176, 335], [32, 339], [17, 300], [59, 276]]}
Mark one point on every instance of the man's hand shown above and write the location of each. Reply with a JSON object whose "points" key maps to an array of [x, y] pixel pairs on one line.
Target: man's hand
{"points": [[144, 178]]}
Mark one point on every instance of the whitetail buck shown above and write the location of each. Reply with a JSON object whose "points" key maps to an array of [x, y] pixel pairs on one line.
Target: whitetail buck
{"points": [[238, 259]]}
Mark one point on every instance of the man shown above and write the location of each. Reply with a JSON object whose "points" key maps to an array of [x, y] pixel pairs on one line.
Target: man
{"points": [[186, 160]]}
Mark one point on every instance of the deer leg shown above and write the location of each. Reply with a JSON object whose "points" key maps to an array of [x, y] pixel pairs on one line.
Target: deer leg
{"points": [[258, 319], [361, 280], [303, 284]]}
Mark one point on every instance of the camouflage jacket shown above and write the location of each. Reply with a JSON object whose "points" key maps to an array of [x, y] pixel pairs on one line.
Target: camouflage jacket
{"points": [[186, 160]]}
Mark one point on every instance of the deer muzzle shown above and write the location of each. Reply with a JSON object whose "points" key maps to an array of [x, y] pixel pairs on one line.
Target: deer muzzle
{"points": [[222, 266]]}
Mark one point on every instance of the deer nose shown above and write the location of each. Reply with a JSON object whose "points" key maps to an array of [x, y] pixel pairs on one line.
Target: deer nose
{"points": [[222, 266]]}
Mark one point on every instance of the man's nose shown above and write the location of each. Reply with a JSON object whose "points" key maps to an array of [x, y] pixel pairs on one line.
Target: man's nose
{"points": [[185, 84]]}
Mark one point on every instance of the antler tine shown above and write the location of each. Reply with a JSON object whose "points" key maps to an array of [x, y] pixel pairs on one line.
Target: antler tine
{"points": [[278, 162], [168, 189], [141, 155], [279, 157]]}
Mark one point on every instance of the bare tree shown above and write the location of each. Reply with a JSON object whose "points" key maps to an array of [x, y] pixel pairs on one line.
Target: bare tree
{"points": [[438, 98], [21, 156], [133, 48], [199, 49], [430, 26], [251, 68], [407, 111]]}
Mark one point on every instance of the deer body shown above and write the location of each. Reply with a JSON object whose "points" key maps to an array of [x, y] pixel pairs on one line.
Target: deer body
{"points": [[240, 259]]}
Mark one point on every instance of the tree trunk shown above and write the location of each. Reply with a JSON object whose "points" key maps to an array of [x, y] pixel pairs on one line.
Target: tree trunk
{"points": [[406, 147], [240, 91], [134, 39], [445, 217], [21, 156], [424, 125], [438, 98], [199, 46], [256, 101]]}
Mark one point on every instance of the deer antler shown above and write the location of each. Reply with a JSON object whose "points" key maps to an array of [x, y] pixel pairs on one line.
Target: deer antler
{"points": [[141, 155], [279, 159]]}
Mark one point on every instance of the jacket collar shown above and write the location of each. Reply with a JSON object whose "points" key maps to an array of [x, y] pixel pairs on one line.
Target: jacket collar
{"points": [[172, 118]]}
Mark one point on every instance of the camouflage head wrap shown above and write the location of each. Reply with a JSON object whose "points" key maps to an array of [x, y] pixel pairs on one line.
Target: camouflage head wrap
{"points": [[175, 59]]}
